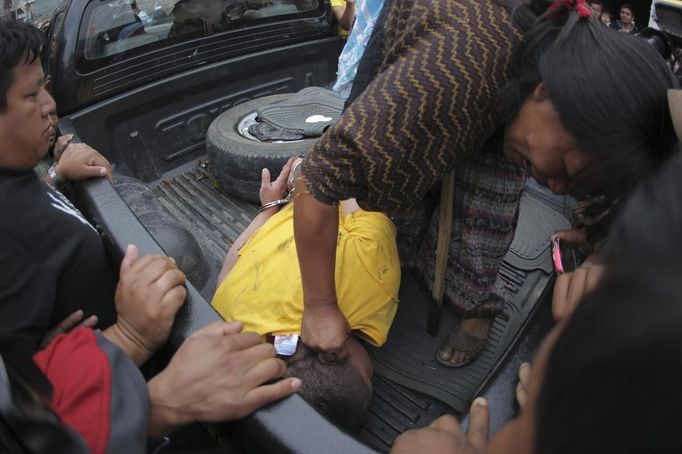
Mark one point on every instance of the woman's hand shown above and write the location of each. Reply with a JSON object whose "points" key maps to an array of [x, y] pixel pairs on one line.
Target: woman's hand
{"points": [[325, 329], [522, 385], [274, 190], [570, 288], [444, 435], [577, 239]]}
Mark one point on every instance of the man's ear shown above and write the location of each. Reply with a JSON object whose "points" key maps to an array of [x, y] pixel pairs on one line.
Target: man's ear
{"points": [[540, 92]]}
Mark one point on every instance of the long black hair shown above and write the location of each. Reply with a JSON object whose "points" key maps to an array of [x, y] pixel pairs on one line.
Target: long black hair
{"points": [[524, 12], [609, 89]]}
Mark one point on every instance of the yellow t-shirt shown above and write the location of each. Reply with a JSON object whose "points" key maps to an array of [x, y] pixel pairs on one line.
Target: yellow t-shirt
{"points": [[264, 290]]}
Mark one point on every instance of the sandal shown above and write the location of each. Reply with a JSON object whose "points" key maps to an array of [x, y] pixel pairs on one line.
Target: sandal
{"points": [[461, 342]]}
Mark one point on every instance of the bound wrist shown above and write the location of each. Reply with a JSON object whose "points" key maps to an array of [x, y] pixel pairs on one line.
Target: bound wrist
{"points": [[270, 211], [273, 204]]}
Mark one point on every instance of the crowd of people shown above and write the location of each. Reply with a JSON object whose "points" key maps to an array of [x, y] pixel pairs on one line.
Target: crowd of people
{"points": [[625, 22], [523, 88]]}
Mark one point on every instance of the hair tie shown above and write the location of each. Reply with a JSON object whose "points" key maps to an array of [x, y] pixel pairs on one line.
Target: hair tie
{"points": [[579, 6]]}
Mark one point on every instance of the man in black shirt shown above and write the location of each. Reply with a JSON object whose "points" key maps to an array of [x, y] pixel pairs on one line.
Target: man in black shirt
{"points": [[53, 261]]}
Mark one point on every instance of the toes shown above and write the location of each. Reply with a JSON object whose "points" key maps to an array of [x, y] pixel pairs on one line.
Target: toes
{"points": [[445, 353], [459, 358], [454, 359]]}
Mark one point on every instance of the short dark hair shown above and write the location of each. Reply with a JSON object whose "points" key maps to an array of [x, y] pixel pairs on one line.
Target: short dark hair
{"points": [[20, 42], [335, 390], [609, 90], [627, 6], [611, 383]]}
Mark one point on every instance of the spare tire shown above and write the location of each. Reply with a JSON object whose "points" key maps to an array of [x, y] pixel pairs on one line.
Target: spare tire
{"points": [[237, 158]]}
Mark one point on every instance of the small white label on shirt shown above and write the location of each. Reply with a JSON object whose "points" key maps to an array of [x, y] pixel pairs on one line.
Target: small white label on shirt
{"points": [[285, 344]]}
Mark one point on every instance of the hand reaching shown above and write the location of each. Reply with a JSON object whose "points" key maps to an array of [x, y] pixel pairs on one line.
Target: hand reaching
{"points": [[577, 239], [80, 161], [570, 288], [522, 385], [444, 435], [149, 293], [217, 374]]}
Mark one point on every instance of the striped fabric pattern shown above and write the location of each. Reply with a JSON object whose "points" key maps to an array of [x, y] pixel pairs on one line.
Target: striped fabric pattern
{"points": [[487, 194], [431, 104], [429, 110]]}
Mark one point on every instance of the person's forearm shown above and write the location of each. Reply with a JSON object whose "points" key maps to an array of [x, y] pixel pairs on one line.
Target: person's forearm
{"points": [[316, 226], [233, 253], [132, 347], [163, 416], [346, 20]]}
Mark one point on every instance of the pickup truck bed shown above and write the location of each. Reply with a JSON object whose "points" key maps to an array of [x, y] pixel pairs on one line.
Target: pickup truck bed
{"points": [[147, 111], [190, 194]]}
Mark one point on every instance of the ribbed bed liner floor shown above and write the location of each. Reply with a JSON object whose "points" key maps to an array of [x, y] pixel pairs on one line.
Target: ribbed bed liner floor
{"points": [[410, 387], [215, 219]]}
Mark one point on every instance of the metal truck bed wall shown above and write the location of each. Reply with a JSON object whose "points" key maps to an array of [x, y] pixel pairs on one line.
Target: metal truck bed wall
{"points": [[155, 128]]}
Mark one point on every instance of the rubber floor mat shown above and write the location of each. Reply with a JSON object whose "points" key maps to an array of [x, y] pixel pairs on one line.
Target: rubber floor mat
{"points": [[408, 357]]}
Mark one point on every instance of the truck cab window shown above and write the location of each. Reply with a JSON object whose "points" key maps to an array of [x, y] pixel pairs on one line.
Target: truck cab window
{"points": [[119, 29]]}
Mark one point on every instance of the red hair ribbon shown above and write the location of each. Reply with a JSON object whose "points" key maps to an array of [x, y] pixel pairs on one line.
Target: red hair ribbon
{"points": [[579, 6]]}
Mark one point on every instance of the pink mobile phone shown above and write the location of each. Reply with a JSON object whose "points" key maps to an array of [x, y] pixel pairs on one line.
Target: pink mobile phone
{"points": [[564, 258]]}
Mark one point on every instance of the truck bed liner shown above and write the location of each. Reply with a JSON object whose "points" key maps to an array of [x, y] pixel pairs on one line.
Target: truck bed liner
{"points": [[191, 195], [215, 219]]}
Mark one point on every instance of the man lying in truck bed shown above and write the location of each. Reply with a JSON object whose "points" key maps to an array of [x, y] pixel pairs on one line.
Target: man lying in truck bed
{"points": [[260, 286]]}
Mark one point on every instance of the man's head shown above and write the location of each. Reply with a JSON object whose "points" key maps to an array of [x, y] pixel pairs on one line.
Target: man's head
{"points": [[339, 391], [25, 105], [597, 8]]}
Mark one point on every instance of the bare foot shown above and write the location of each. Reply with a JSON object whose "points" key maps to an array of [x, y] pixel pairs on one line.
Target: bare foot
{"points": [[464, 343]]}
